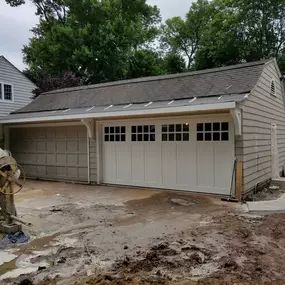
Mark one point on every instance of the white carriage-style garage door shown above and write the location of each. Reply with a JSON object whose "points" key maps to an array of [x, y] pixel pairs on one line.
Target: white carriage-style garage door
{"points": [[183, 154], [58, 153]]}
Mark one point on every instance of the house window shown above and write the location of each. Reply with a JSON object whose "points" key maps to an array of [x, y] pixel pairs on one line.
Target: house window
{"points": [[6, 92], [144, 133], [272, 88], [213, 131], [115, 134], [175, 132]]}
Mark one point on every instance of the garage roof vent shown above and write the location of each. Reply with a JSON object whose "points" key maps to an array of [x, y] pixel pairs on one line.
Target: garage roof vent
{"points": [[272, 88]]}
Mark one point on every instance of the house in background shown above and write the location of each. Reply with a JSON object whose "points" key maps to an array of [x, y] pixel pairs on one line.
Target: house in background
{"points": [[15, 88], [181, 131]]}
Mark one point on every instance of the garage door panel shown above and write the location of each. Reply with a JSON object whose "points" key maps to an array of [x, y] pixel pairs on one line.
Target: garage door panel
{"points": [[30, 170], [51, 171], [186, 166], [41, 158], [61, 171], [71, 132], [109, 162], [223, 165], [205, 165], [50, 146], [82, 172], [169, 164], [43, 151], [82, 158], [82, 146], [153, 169], [60, 133], [50, 133], [41, 171], [61, 146], [41, 146], [72, 171], [72, 146], [72, 159], [123, 162], [138, 163], [61, 159], [51, 158]]}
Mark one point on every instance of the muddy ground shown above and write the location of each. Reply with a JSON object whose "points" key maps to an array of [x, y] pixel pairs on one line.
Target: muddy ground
{"points": [[106, 235]]}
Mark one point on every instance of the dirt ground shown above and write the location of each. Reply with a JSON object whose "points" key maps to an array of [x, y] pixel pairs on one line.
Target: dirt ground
{"points": [[109, 235]]}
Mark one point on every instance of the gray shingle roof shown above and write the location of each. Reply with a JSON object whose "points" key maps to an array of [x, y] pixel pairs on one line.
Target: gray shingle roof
{"points": [[236, 79]]}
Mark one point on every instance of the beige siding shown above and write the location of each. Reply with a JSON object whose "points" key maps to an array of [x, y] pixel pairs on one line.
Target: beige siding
{"points": [[22, 87], [261, 110]]}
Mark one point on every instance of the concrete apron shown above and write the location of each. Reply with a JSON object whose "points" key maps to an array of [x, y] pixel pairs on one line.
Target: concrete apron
{"points": [[277, 205]]}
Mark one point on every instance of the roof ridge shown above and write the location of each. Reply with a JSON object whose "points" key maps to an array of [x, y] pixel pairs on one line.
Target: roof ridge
{"points": [[158, 78]]}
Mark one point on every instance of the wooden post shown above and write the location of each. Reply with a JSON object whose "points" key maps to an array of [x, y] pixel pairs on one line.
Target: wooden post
{"points": [[239, 189]]}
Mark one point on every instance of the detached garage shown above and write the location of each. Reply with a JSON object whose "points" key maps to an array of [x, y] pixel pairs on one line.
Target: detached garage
{"points": [[182, 132]]}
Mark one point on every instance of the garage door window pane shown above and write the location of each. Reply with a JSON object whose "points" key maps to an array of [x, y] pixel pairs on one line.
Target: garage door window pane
{"points": [[208, 136], [216, 127], [186, 137], [217, 131], [200, 136], [225, 136], [216, 137], [144, 133], [171, 137], [178, 132], [208, 127], [117, 134], [200, 127], [225, 126]]}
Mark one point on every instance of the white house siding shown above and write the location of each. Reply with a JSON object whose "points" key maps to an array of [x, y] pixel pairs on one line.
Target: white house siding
{"points": [[260, 110], [22, 87]]}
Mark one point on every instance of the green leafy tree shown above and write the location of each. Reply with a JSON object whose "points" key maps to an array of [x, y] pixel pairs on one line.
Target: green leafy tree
{"points": [[243, 31], [94, 39], [183, 37], [174, 63]]}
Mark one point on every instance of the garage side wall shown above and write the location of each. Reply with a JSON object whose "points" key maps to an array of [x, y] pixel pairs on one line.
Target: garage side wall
{"points": [[260, 110]]}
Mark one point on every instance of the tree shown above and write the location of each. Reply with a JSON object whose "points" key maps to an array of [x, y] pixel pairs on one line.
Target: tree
{"points": [[144, 63], [174, 63], [94, 39], [183, 37], [243, 31], [49, 83]]}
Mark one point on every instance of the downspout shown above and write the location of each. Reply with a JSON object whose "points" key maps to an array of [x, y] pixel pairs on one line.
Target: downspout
{"points": [[89, 123]]}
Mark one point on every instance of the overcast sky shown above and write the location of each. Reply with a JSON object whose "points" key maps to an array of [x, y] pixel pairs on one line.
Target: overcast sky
{"points": [[16, 23]]}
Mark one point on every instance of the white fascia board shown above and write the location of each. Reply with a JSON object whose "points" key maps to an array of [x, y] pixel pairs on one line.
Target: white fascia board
{"points": [[102, 115]]}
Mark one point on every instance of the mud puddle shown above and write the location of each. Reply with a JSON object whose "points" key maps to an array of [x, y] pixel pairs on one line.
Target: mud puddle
{"points": [[13, 263]]}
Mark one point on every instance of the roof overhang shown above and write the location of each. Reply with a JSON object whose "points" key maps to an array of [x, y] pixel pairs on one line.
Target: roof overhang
{"points": [[52, 116]]}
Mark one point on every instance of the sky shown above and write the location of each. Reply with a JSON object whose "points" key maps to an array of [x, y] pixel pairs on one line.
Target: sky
{"points": [[17, 22]]}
